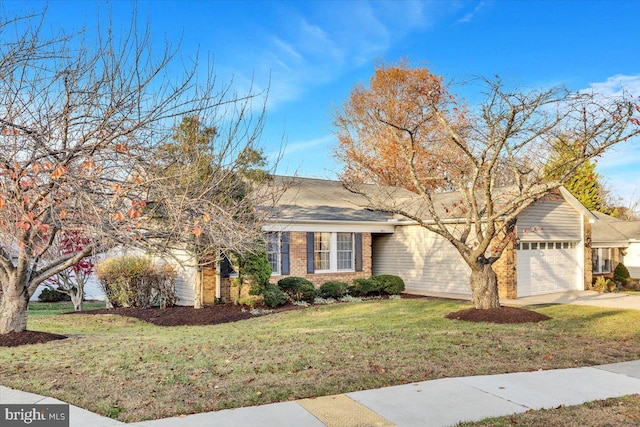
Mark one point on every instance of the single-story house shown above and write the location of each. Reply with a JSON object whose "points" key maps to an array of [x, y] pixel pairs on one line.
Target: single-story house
{"points": [[615, 241], [320, 231]]}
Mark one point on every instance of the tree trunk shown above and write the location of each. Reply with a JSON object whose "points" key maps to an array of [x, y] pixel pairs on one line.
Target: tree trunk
{"points": [[76, 298], [484, 287], [13, 311]]}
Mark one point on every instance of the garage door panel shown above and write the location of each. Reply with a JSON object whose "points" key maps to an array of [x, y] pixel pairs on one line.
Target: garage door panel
{"points": [[553, 268]]}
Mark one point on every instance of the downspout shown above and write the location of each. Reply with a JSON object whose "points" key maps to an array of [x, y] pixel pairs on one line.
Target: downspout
{"points": [[218, 279]]}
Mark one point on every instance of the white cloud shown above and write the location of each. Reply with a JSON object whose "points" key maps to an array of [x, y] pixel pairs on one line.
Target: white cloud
{"points": [[617, 85], [468, 17]]}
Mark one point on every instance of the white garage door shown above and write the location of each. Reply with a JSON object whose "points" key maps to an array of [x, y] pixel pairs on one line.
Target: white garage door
{"points": [[547, 267]]}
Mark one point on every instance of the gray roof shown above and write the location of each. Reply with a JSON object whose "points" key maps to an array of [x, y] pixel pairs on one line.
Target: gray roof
{"points": [[610, 229], [311, 199]]}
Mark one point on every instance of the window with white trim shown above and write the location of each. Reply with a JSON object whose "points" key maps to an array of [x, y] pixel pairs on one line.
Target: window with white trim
{"points": [[333, 252], [601, 260], [273, 250]]}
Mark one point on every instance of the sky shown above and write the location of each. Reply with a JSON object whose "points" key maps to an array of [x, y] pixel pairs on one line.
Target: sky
{"points": [[311, 54]]}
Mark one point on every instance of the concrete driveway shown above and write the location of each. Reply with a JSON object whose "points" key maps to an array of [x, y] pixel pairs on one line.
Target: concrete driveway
{"points": [[592, 298]]}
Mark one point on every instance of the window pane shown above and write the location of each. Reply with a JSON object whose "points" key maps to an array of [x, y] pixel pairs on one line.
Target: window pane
{"points": [[534, 246], [322, 251], [525, 246], [558, 245], [345, 251], [595, 261], [321, 261], [322, 241], [273, 250], [606, 260]]}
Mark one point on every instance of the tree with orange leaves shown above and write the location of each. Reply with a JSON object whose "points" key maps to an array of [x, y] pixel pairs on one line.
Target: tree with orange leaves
{"points": [[406, 131], [388, 128]]}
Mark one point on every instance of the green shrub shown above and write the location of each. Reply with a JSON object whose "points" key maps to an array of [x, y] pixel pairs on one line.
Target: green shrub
{"points": [[272, 296], [390, 284], [621, 274], [365, 287], [51, 295], [134, 281], [256, 267], [306, 292], [298, 288], [333, 289]]}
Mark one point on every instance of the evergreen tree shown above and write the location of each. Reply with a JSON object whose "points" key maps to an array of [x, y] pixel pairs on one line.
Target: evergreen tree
{"points": [[584, 185]]}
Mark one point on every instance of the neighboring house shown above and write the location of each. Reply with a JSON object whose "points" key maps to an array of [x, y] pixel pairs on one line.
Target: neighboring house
{"points": [[321, 232], [615, 241]]}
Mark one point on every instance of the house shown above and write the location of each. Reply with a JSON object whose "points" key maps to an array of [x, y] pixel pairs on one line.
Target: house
{"points": [[320, 231], [615, 241]]}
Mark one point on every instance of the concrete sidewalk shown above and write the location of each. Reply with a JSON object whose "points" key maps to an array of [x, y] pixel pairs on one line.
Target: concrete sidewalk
{"points": [[443, 402], [590, 298]]}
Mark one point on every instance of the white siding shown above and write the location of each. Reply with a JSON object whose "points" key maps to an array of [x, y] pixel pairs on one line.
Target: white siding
{"points": [[632, 259], [425, 261], [550, 218]]}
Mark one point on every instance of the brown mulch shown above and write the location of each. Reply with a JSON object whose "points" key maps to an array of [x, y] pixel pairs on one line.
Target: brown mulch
{"points": [[498, 315], [187, 316], [14, 339]]}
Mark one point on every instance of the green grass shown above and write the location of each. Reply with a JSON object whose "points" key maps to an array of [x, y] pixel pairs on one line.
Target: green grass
{"points": [[622, 411], [160, 372], [39, 309]]}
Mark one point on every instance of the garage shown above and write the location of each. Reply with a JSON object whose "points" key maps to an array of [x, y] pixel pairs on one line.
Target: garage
{"points": [[547, 267]]}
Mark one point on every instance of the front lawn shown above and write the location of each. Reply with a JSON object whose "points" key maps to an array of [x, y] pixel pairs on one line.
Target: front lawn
{"points": [[37, 309], [620, 411], [132, 371]]}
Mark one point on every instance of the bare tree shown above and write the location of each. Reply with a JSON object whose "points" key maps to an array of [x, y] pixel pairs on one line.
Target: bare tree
{"points": [[82, 121], [505, 140]]}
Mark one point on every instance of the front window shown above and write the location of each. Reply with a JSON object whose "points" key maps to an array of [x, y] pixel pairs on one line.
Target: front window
{"points": [[273, 251], [333, 251], [345, 251], [601, 260], [322, 251]]}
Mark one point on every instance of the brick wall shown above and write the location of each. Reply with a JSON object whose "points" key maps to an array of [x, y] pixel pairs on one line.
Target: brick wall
{"points": [[507, 273], [208, 284], [588, 259], [298, 261]]}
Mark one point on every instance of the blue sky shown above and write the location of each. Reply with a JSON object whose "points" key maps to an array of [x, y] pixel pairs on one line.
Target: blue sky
{"points": [[313, 53]]}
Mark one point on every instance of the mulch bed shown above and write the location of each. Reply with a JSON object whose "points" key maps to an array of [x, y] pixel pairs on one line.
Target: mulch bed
{"points": [[14, 339], [498, 315], [187, 316]]}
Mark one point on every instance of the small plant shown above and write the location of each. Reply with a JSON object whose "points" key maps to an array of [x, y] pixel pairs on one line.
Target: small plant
{"points": [[260, 311], [248, 300], [333, 289], [621, 274], [349, 298], [603, 284], [390, 284], [301, 303], [320, 300]]}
